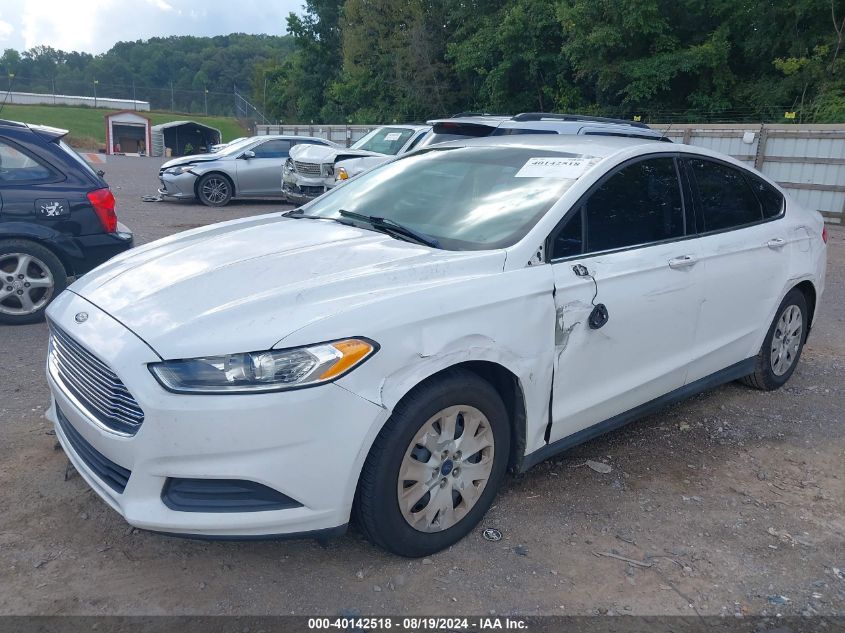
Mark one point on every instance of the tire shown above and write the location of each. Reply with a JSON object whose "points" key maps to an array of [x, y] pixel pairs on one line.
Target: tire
{"points": [[777, 358], [215, 190], [378, 510], [31, 277]]}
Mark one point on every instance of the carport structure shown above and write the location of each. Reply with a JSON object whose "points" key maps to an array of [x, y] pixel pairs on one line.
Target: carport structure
{"points": [[183, 137], [127, 132]]}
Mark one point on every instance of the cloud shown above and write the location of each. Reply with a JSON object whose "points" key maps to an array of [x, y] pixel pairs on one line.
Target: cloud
{"points": [[6, 30], [95, 26]]}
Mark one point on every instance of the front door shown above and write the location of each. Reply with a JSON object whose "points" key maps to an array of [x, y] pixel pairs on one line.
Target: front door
{"points": [[625, 247], [261, 175]]}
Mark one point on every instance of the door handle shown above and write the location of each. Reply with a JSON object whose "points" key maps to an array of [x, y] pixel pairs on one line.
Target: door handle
{"points": [[776, 242], [684, 261]]}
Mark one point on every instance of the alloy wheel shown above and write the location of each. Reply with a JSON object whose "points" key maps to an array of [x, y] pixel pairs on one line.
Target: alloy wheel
{"points": [[27, 284], [446, 468], [787, 339], [215, 190]]}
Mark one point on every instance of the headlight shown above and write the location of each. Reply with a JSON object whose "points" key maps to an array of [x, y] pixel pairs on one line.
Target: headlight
{"points": [[181, 169], [289, 166], [255, 372], [328, 170]]}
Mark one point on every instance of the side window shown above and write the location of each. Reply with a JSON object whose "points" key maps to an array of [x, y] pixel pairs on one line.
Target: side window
{"points": [[639, 204], [273, 149], [15, 166], [726, 200], [770, 198]]}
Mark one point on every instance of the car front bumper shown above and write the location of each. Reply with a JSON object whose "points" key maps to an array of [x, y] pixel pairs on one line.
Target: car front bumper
{"points": [[179, 186], [307, 444], [298, 189]]}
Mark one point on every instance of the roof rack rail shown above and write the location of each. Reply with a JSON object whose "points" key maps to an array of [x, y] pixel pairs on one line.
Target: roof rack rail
{"points": [[539, 116], [12, 123], [461, 115]]}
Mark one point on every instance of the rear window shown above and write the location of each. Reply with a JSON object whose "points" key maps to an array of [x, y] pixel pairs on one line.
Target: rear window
{"points": [[86, 167], [725, 198], [769, 197]]}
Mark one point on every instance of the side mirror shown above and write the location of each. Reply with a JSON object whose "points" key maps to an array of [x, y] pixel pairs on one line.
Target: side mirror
{"points": [[248, 154], [101, 173]]}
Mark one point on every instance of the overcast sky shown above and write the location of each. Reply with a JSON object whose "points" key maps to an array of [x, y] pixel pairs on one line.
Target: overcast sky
{"points": [[95, 25]]}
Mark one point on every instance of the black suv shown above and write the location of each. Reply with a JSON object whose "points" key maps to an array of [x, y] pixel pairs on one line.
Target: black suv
{"points": [[57, 219]]}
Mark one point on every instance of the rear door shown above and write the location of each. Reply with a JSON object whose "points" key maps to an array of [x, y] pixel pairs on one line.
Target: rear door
{"points": [[259, 176], [744, 255], [625, 246], [30, 187]]}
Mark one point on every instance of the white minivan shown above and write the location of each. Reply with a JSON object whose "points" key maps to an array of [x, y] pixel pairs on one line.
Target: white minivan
{"points": [[389, 351]]}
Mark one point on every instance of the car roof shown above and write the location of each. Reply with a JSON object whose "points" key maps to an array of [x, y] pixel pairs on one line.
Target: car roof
{"points": [[412, 126]]}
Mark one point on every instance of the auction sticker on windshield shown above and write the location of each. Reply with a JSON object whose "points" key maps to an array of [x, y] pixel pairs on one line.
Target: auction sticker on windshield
{"points": [[555, 167], [393, 136]]}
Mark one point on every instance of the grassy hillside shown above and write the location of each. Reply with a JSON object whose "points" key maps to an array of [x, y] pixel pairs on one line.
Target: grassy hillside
{"points": [[87, 125]]}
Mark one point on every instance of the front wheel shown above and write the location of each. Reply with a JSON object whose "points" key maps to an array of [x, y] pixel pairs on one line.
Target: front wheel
{"points": [[30, 277], [436, 466], [782, 346], [214, 190]]}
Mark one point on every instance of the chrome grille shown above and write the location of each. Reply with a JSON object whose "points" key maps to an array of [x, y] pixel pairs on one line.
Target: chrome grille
{"points": [[307, 169], [93, 384]]}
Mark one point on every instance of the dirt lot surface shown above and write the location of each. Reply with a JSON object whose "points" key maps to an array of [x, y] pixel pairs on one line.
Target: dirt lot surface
{"points": [[731, 502]]}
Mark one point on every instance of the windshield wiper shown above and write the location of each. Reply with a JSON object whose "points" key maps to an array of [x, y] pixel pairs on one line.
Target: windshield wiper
{"points": [[391, 227]]}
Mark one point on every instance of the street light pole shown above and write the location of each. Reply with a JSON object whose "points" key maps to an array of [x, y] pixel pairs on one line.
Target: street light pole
{"points": [[95, 92], [205, 98]]}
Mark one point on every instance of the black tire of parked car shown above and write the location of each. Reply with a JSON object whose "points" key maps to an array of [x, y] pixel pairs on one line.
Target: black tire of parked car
{"points": [[376, 509], [764, 377], [44, 256], [215, 190]]}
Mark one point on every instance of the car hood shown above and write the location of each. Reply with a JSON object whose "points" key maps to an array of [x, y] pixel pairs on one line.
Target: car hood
{"points": [[355, 166], [245, 285], [190, 160], [320, 154]]}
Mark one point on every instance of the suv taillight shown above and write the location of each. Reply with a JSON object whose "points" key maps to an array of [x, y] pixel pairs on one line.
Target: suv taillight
{"points": [[103, 202], [824, 234]]}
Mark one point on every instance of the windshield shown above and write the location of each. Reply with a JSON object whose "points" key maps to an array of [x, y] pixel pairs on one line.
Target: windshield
{"points": [[468, 198], [385, 140], [235, 146]]}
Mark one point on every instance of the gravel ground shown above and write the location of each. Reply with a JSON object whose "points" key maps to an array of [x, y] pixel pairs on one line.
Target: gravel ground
{"points": [[732, 502]]}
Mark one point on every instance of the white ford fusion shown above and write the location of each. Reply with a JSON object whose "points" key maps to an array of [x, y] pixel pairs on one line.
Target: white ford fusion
{"points": [[388, 351]]}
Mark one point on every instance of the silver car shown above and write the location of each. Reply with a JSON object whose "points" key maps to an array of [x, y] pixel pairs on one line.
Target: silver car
{"points": [[242, 169]]}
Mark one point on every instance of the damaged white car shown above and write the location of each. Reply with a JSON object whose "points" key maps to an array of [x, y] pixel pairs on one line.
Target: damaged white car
{"points": [[311, 171], [389, 351]]}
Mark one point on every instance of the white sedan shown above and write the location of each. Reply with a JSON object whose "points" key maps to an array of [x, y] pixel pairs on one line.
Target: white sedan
{"points": [[389, 351]]}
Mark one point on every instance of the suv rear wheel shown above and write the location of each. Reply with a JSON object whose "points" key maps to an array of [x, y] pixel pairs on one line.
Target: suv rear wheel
{"points": [[30, 277]]}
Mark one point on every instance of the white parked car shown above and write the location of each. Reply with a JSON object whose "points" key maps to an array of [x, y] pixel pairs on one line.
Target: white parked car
{"points": [[390, 350], [311, 171]]}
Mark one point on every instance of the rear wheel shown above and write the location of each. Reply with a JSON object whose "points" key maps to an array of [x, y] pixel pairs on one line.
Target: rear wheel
{"points": [[436, 466], [30, 277], [783, 344], [214, 190]]}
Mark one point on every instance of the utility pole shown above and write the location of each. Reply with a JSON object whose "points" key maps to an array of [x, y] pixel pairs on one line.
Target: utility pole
{"points": [[205, 98], [172, 99], [264, 100], [134, 100], [95, 92], [53, 82]]}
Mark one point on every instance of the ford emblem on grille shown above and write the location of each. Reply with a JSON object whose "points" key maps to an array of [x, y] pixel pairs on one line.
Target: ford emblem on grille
{"points": [[81, 317]]}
